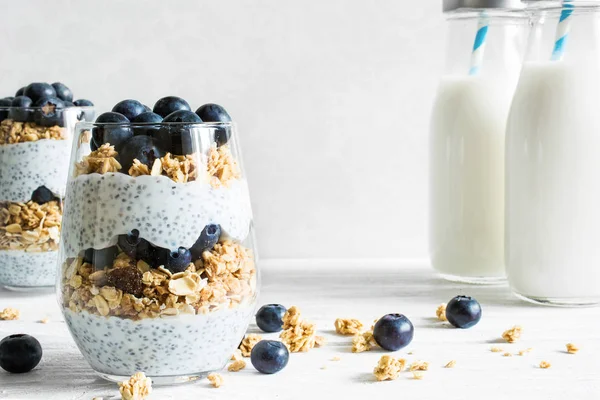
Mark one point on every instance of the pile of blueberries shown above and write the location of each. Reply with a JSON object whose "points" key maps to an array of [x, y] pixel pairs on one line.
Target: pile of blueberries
{"points": [[42, 103], [138, 132]]}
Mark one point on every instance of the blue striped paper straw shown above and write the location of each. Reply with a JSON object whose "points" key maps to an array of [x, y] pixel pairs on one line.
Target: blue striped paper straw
{"points": [[479, 44], [562, 31]]}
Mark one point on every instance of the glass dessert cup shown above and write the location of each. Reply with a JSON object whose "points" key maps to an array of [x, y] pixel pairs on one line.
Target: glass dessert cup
{"points": [[35, 146], [157, 268]]}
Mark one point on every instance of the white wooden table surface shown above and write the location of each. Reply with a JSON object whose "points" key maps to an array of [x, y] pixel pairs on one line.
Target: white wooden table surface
{"points": [[363, 290]]}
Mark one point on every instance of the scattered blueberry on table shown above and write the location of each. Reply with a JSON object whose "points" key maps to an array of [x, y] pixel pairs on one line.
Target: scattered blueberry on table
{"points": [[20, 353], [463, 312], [269, 317], [393, 332], [269, 356]]}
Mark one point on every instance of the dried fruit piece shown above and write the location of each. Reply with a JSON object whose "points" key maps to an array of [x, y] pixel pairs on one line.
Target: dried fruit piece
{"points": [[128, 279]]}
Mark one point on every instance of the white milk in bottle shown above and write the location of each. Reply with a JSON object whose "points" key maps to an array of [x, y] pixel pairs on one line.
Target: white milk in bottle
{"points": [[468, 122]]}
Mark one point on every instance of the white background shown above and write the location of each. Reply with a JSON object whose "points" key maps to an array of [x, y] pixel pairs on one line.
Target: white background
{"points": [[332, 98]]}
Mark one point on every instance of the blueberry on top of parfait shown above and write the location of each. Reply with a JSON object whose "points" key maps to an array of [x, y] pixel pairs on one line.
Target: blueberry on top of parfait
{"points": [[143, 148], [176, 137], [129, 108], [170, 104], [39, 90], [49, 112], [211, 112], [63, 92]]}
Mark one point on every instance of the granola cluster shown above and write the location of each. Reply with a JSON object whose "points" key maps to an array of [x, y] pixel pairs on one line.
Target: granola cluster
{"points": [[419, 366], [9, 314], [222, 167], [298, 335], [216, 380], [389, 368], [99, 161], [572, 348], [12, 132], [138, 387], [224, 278], [181, 169], [248, 344], [441, 312], [348, 326], [30, 226], [513, 334], [363, 342]]}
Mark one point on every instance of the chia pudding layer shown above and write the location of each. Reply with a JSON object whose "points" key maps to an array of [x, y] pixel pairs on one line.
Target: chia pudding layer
{"points": [[27, 269], [99, 207], [167, 346], [29, 165]]}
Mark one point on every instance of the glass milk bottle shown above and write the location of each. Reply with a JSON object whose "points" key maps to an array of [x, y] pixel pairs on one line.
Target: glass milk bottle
{"points": [[553, 160], [485, 46]]}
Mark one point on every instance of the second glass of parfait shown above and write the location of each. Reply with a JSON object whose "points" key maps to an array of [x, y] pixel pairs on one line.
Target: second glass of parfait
{"points": [[157, 268]]}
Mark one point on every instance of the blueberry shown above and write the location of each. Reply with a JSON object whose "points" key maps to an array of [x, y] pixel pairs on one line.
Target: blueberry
{"points": [[174, 261], [215, 113], [142, 148], [68, 104], [39, 90], [170, 104], [269, 317], [20, 353], [150, 123], [88, 114], [393, 332], [42, 195], [112, 130], [49, 112], [269, 356], [83, 103], [148, 253], [6, 102], [128, 243], [129, 108], [20, 92], [463, 312], [62, 91], [206, 241], [176, 136], [101, 258], [148, 109], [21, 111]]}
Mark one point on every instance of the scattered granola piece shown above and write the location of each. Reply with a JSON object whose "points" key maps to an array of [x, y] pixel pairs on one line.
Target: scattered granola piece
{"points": [[496, 349], [545, 365], [138, 387], [388, 368], [572, 348], [298, 335], [236, 366], [451, 364], [363, 342], [507, 354], [441, 312], [348, 326], [419, 366], [45, 320], [513, 334], [215, 379], [9, 314], [336, 358], [525, 351], [222, 167], [248, 343], [417, 375]]}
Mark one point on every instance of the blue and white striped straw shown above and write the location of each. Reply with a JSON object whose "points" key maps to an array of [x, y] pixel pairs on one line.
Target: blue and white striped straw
{"points": [[479, 45], [562, 31]]}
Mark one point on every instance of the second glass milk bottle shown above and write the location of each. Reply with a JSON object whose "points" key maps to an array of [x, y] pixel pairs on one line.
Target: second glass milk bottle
{"points": [[553, 160], [485, 45]]}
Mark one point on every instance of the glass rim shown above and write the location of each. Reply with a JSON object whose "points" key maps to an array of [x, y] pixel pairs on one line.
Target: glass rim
{"points": [[88, 125]]}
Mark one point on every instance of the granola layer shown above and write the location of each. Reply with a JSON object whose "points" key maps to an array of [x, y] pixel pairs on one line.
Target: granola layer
{"points": [[30, 226], [12, 132], [225, 277]]}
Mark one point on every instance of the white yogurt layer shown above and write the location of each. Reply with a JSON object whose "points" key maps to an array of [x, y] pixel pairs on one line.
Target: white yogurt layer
{"points": [[166, 213], [180, 345], [28, 269], [26, 166]]}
